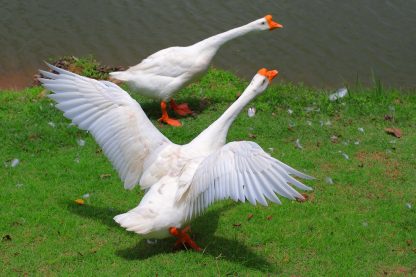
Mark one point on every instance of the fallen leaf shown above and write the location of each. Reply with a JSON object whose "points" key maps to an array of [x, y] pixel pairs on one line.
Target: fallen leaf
{"points": [[6, 238], [237, 224], [80, 201], [252, 136], [269, 217], [305, 198], [409, 242], [388, 117], [250, 216], [104, 176], [43, 93], [394, 131]]}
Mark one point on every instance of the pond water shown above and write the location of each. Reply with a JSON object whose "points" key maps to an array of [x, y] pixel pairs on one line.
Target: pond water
{"points": [[324, 43]]}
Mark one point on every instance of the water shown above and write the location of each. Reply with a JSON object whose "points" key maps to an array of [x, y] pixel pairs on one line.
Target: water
{"points": [[324, 43]]}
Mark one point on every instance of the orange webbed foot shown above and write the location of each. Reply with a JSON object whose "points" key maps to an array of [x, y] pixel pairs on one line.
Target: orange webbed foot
{"points": [[165, 117], [170, 121], [181, 109], [183, 238]]}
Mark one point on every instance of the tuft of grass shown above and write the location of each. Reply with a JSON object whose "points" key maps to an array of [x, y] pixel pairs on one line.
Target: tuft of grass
{"points": [[363, 224]]}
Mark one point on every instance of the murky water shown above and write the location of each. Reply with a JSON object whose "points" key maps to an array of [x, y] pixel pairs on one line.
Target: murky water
{"points": [[325, 43]]}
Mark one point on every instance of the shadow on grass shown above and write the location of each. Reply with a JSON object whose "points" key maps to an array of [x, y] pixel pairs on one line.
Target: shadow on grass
{"points": [[197, 105], [203, 229]]}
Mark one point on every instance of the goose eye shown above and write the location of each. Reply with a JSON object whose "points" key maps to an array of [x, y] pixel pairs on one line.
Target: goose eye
{"points": [[263, 23], [262, 83]]}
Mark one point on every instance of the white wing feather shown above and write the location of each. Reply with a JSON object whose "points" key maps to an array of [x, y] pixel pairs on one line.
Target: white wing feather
{"points": [[241, 170], [116, 121]]}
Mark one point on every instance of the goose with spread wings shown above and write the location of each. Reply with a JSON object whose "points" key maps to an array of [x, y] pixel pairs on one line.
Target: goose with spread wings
{"points": [[180, 181]]}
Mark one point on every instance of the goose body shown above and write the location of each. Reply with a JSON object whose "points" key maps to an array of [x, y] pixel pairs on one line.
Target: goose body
{"points": [[180, 181], [167, 71]]}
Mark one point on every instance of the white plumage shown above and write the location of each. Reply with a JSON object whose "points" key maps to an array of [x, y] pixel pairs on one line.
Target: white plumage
{"points": [[180, 180], [165, 72]]}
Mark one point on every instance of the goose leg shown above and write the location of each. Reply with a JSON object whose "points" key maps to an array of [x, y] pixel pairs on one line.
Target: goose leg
{"points": [[183, 238], [165, 117], [181, 109]]}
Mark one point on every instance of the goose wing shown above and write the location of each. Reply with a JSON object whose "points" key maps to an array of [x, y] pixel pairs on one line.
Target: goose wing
{"points": [[169, 62], [240, 171], [116, 120]]}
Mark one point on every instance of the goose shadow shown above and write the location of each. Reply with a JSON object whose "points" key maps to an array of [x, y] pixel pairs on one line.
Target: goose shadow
{"points": [[203, 231], [196, 104]]}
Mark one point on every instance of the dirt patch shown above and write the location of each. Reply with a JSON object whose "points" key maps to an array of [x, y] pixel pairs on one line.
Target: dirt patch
{"points": [[369, 158], [15, 80]]}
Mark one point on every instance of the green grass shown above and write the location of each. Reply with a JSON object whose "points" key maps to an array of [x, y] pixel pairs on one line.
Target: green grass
{"points": [[359, 226]]}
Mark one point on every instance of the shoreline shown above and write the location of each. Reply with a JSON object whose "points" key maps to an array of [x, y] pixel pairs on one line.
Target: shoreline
{"points": [[90, 67]]}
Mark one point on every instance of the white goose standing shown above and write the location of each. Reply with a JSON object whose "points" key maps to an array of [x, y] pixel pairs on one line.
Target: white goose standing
{"points": [[165, 72], [180, 180]]}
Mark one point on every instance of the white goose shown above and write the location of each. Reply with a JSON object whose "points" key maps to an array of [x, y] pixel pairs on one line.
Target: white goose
{"points": [[165, 72], [180, 180]]}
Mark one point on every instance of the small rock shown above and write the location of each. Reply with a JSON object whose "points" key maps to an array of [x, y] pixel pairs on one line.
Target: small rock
{"points": [[289, 111], [338, 94], [14, 162], [408, 205], [357, 142], [81, 142], [308, 122], [361, 129], [85, 196], [251, 112]]}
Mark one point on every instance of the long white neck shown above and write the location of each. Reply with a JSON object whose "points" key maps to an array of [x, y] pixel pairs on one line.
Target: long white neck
{"points": [[218, 40], [216, 134]]}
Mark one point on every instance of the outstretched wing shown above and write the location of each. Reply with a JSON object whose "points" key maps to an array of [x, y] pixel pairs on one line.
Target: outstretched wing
{"points": [[116, 121], [242, 170]]}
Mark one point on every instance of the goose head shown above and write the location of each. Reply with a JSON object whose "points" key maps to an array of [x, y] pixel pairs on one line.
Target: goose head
{"points": [[261, 80], [266, 23]]}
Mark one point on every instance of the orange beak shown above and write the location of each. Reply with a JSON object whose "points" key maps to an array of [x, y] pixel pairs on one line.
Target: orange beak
{"points": [[270, 74], [272, 24]]}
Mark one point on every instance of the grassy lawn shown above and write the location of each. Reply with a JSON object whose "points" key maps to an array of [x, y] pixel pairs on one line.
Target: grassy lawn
{"points": [[364, 224]]}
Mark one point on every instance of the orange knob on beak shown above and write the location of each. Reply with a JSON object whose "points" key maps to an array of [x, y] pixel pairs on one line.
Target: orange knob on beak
{"points": [[271, 74], [272, 24]]}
